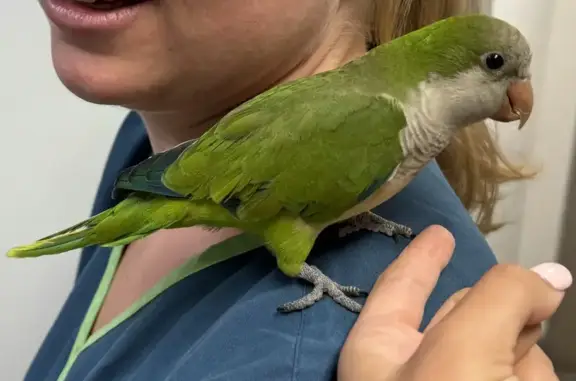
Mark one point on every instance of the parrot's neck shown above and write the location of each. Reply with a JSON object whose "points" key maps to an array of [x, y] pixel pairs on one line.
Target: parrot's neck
{"points": [[427, 131], [438, 107], [423, 139]]}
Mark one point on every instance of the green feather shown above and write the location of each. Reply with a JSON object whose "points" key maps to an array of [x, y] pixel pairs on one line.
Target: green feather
{"points": [[131, 219], [313, 155]]}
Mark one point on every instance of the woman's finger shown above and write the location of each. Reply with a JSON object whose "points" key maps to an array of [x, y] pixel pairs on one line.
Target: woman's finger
{"points": [[447, 307], [401, 292], [526, 340], [475, 340], [535, 366], [506, 300], [386, 332]]}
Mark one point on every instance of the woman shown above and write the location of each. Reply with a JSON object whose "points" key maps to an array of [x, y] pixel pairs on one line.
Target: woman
{"points": [[140, 314]]}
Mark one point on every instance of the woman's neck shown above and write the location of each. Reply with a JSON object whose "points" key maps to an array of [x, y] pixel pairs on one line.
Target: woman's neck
{"points": [[170, 128]]}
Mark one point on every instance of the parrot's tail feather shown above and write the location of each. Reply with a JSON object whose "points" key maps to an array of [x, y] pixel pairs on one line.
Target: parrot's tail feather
{"points": [[128, 221], [57, 245], [74, 237], [124, 240], [93, 221], [134, 218]]}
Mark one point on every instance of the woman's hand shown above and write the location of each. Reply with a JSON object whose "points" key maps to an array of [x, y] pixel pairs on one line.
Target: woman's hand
{"points": [[488, 332]]}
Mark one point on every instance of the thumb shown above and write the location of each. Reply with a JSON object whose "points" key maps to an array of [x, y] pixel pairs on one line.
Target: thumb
{"points": [[479, 336]]}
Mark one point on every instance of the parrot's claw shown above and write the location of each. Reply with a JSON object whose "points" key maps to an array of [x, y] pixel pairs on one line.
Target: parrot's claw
{"points": [[373, 222], [324, 285]]}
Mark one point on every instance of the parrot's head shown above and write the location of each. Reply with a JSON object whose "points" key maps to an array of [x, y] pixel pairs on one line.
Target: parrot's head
{"points": [[478, 68]]}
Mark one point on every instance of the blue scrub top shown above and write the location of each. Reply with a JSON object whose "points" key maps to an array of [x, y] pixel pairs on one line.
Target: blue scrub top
{"points": [[221, 323]]}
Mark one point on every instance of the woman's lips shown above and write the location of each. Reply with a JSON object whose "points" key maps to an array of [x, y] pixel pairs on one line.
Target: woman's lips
{"points": [[71, 14]]}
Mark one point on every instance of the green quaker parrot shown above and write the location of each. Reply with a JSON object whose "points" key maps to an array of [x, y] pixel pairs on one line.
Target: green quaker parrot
{"points": [[323, 149]]}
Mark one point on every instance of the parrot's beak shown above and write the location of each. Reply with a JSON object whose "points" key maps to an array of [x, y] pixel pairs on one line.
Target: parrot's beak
{"points": [[518, 103]]}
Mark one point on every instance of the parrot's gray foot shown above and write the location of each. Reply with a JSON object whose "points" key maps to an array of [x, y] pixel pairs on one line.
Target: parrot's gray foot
{"points": [[375, 223], [324, 285]]}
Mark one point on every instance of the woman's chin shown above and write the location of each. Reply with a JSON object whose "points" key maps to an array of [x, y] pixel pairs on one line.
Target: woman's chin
{"points": [[105, 80], [100, 87], [93, 90]]}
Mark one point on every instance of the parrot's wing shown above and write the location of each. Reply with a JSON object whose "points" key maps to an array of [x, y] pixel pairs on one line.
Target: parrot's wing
{"points": [[146, 176], [317, 154]]}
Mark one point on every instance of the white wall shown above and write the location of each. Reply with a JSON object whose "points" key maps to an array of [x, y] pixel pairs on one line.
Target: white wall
{"points": [[52, 149], [535, 208]]}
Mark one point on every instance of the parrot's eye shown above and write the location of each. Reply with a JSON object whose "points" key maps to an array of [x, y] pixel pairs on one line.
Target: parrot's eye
{"points": [[494, 61]]}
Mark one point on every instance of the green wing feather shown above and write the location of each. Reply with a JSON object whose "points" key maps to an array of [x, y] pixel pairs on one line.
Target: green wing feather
{"points": [[314, 155], [146, 176]]}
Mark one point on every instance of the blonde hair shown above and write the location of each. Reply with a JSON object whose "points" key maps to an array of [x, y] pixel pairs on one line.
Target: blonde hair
{"points": [[473, 163]]}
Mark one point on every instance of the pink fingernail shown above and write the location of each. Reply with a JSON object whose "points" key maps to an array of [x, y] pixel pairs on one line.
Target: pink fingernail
{"points": [[554, 273]]}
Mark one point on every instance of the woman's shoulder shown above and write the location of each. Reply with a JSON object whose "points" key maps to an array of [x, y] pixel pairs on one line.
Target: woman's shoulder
{"points": [[242, 334]]}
